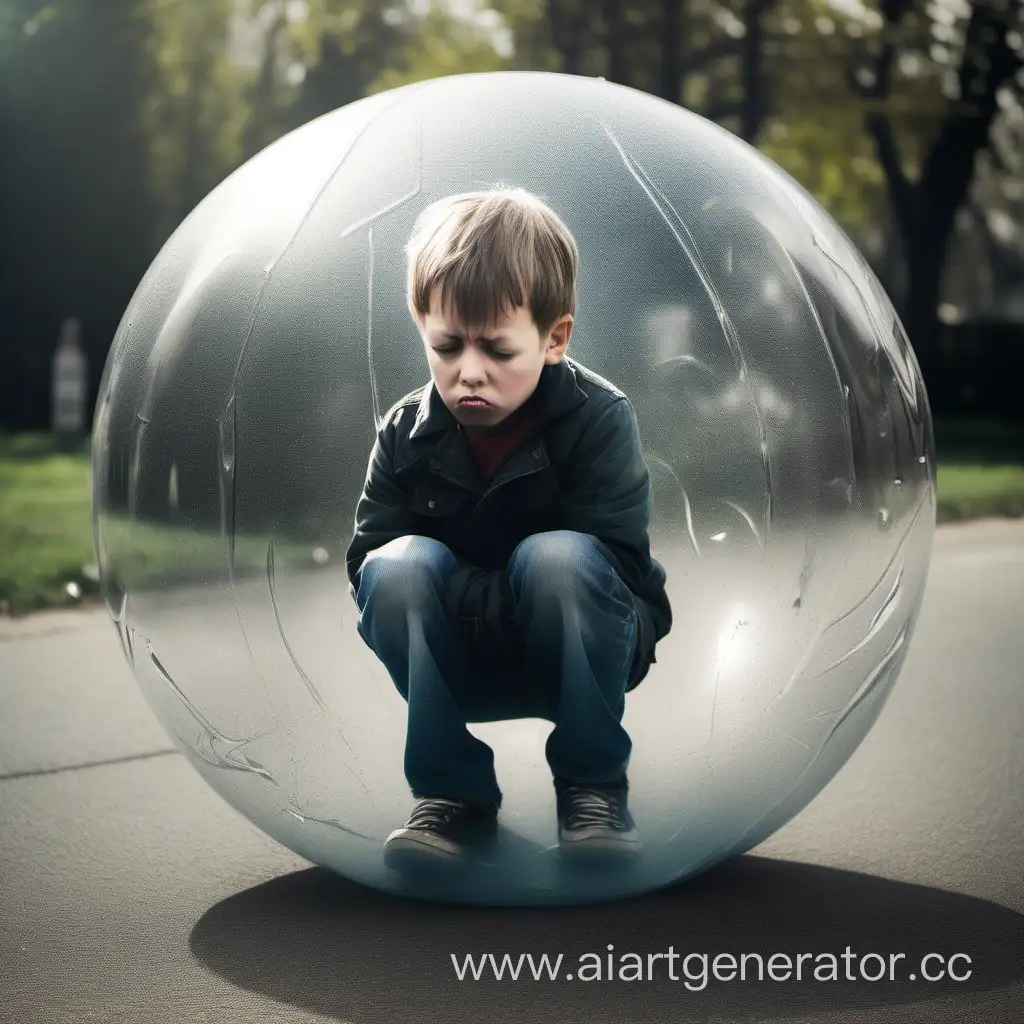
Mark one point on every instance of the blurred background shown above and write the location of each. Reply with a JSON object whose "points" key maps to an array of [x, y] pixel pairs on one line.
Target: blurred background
{"points": [[904, 118]]}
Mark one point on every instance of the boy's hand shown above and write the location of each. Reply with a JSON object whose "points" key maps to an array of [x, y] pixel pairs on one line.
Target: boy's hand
{"points": [[480, 604]]}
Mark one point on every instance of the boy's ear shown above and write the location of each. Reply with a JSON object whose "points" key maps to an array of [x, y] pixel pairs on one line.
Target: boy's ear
{"points": [[558, 339], [562, 330]]}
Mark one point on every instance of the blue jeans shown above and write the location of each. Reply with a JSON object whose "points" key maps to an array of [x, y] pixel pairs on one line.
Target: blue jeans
{"points": [[577, 621]]}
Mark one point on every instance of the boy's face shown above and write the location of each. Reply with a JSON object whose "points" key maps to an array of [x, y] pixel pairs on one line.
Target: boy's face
{"points": [[501, 363]]}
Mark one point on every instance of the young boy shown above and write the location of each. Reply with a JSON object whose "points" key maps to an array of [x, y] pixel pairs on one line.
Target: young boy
{"points": [[501, 562]]}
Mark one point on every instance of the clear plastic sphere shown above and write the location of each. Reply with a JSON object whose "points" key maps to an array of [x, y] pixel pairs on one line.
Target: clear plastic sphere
{"points": [[781, 410]]}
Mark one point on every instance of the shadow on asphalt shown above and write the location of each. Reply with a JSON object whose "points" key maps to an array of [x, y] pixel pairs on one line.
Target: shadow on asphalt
{"points": [[317, 941]]}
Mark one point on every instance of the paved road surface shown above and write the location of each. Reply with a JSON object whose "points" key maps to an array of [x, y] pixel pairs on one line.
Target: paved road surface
{"points": [[129, 891]]}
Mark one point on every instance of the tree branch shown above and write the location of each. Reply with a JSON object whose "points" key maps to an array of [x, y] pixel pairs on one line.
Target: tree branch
{"points": [[902, 193], [988, 62]]}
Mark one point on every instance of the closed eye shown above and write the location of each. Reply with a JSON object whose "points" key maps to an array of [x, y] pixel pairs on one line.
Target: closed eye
{"points": [[497, 355]]}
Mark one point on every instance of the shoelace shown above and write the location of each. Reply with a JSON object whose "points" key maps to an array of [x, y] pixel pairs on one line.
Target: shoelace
{"points": [[589, 807], [433, 811]]}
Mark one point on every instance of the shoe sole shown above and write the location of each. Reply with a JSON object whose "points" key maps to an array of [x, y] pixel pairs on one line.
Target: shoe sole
{"points": [[417, 858], [405, 850], [584, 852]]}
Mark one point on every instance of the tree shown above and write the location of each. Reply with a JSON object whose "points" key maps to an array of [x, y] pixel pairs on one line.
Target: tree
{"points": [[924, 207], [75, 221], [772, 72], [198, 108]]}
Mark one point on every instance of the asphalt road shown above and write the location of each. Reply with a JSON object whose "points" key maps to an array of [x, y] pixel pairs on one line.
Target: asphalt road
{"points": [[129, 891]]}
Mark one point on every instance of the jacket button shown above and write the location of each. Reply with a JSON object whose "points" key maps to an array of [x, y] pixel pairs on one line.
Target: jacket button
{"points": [[430, 504], [536, 453]]}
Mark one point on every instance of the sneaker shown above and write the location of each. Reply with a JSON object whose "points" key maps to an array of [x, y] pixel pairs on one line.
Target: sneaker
{"points": [[440, 831], [594, 818]]}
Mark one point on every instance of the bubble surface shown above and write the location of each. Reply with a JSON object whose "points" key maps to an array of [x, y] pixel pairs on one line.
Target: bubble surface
{"points": [[783, 419]]}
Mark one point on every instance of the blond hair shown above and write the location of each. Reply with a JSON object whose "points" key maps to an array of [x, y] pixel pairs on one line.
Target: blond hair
{"points": [[491, 252]]}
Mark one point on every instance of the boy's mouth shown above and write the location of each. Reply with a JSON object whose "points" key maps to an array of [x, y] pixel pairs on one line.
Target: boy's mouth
{"points": [[473, 403]]}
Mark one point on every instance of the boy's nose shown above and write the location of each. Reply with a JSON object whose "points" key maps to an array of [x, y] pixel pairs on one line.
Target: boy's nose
{"points": [[471, 370]]}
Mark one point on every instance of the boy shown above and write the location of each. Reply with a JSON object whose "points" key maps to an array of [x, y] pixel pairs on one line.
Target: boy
{"points": [[500, 561]]}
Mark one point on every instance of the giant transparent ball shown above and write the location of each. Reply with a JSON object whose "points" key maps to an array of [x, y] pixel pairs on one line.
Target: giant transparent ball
{"points": [[782, 415]]}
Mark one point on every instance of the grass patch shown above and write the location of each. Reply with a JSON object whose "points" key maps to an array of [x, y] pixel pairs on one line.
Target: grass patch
{"points": [[967, 491], [46, 544], [45, 528], [47, 558]]}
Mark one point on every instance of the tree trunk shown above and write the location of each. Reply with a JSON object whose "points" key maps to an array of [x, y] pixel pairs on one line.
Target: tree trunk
{"points": [[567, 23], [925, 210], [616, 71], [926, 257], [752, 105], [671, 52], [258, 130]]}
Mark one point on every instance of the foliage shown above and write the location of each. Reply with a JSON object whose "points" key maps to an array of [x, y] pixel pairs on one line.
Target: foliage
{"points": [[140, 107], [196, 115]]}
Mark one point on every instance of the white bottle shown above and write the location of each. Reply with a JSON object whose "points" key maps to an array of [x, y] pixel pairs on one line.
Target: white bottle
{"points": [[70, 380]]}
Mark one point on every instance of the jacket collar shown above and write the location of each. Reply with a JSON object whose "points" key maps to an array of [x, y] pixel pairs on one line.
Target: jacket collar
{"points": [[557, 392]]}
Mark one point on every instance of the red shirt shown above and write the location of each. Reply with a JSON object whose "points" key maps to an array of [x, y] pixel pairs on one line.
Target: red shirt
{"points": [[489, 451]]}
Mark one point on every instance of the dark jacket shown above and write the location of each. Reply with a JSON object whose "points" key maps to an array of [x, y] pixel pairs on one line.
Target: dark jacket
{"points": [[581, 469]]}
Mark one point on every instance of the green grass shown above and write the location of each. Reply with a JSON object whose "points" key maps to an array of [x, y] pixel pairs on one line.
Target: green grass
{"points": [[968, 491], [981, 469], [46, 541], [46, 532]]}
